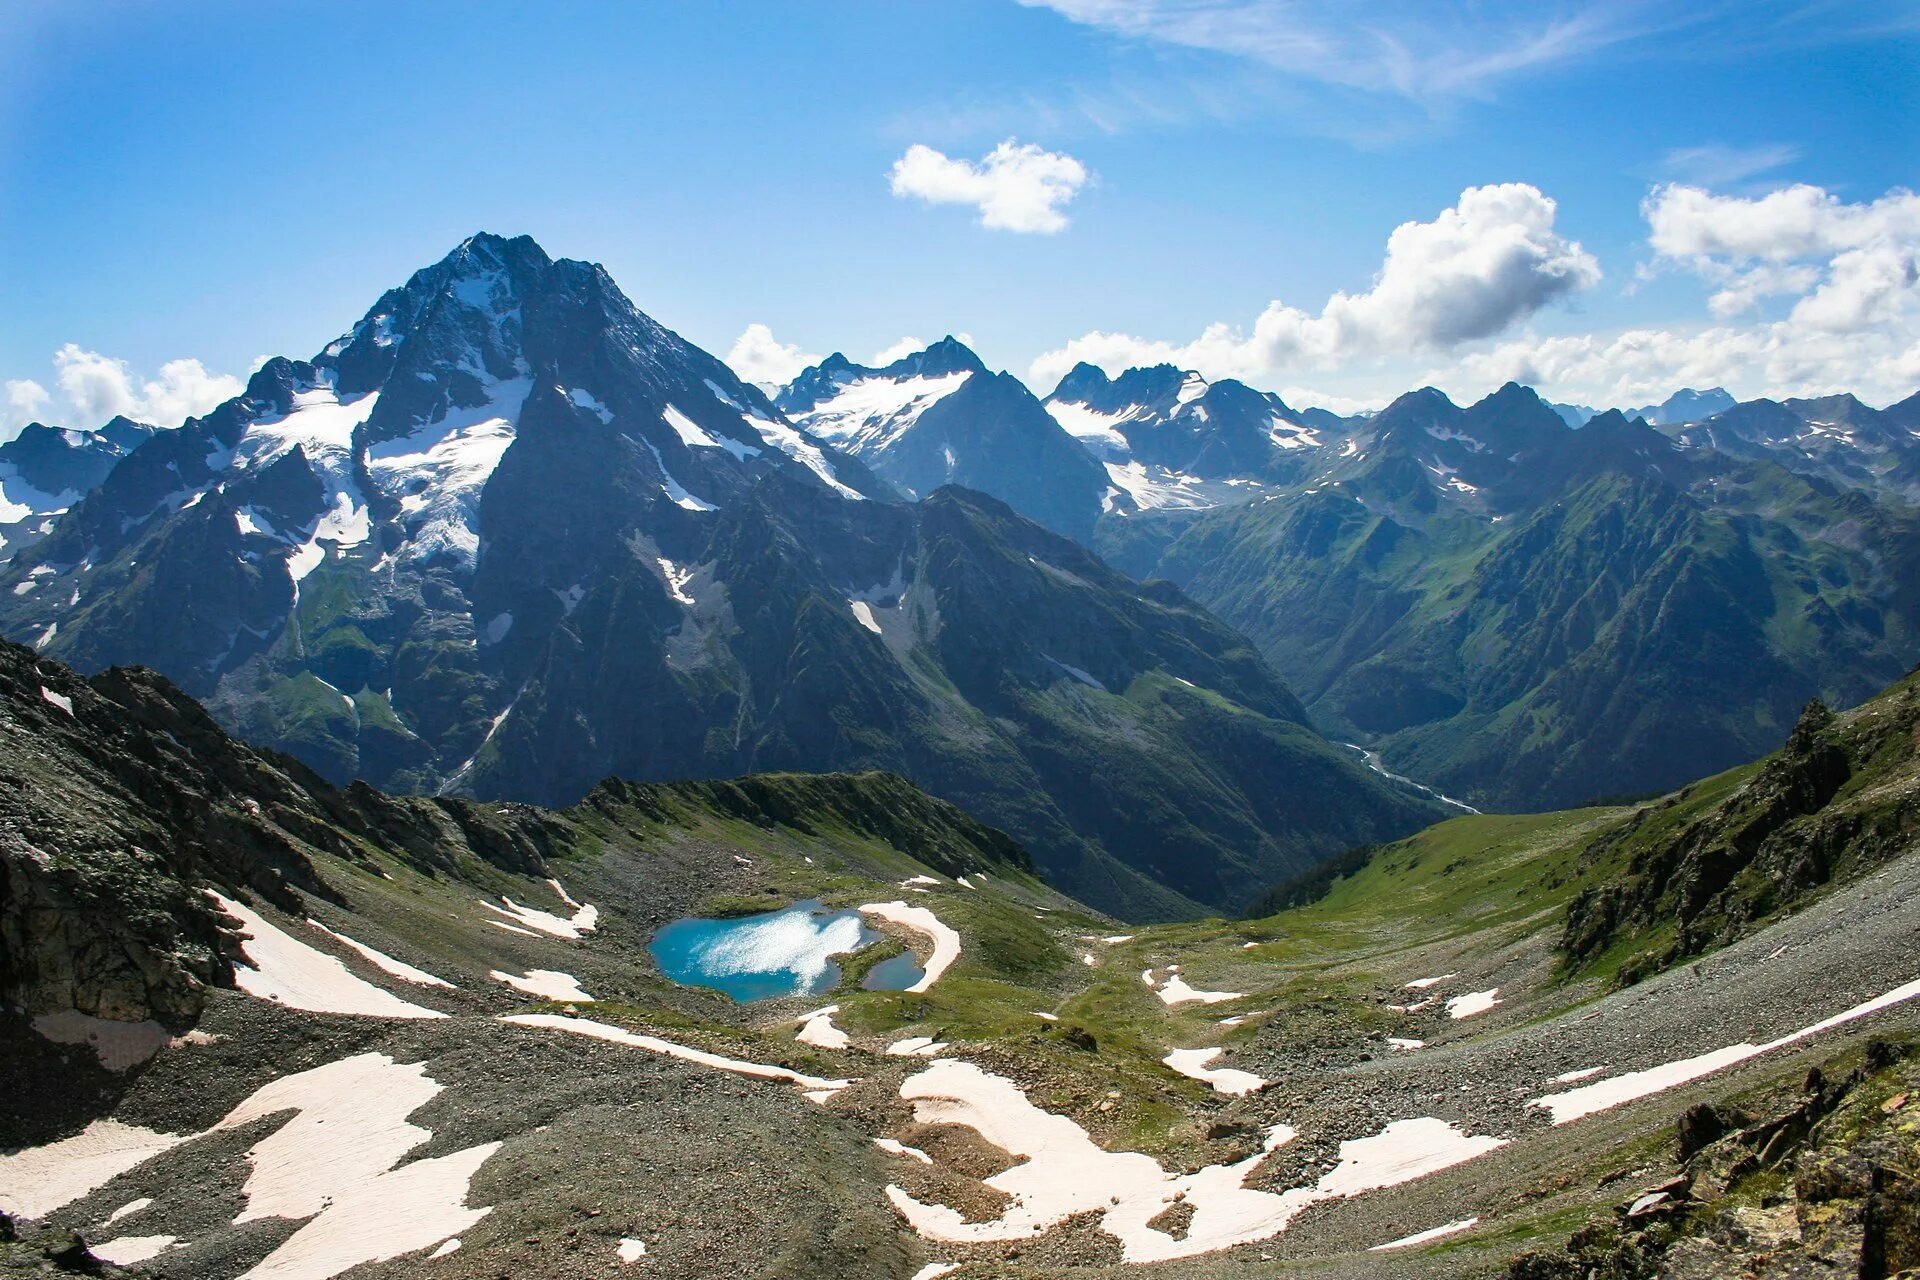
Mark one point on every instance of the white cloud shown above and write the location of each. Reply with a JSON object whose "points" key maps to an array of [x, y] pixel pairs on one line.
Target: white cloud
{"points": [[1414, 49], [94, 387], [1016, 187], [897, 351], [1847, 277], [760, 358], [26, 400], [98, 387], [1491, 260], [1853, 267]]}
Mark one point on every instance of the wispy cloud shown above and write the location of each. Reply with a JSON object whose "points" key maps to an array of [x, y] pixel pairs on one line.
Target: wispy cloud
{"points": [[1427, 53], [1714, 165]]}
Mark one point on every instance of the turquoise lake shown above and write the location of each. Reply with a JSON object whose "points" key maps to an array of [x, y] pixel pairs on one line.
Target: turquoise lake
{"points": [[781, 953]]}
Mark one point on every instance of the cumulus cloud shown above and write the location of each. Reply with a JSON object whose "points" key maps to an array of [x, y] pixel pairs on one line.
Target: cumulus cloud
{"points": [[1852, 266], [1491, 260], [1016, 187], [26, 400], [99, 387], [95, 387], [895, 351], [760, 358]]}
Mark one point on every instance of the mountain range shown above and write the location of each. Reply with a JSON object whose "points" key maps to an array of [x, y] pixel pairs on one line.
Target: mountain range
{"points": [[508, 536]]}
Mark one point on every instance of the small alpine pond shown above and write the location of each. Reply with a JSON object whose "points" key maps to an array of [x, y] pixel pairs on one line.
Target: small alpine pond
{"points": [[779, 953]]}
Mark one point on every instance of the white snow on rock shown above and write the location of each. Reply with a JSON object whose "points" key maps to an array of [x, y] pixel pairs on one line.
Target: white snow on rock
{"points": [[128, 1209], [37, 1180], [630, 1250], [1193, 1064], [695, 436], [1431, 1233], [934, 1270], [863, 614], [946, 943], [337, 1164], [1421, 984], [868, 414], [287, 971], [916, 1047], [802, 449], [894, 1146], [1574, 1077], [1474, 1002], [548, 984], [817, 1029], [398, 968], [653, 1044], [1401, 1042], [124, 1251], [676, 579], [581, 922], [437, 472], [1632, 1085], [1062, 1172], [446, 1247], [118, 1045], [1098, 432], [675, 491], [910, 881], [1174, 990], [59, 700], [588, 401]]}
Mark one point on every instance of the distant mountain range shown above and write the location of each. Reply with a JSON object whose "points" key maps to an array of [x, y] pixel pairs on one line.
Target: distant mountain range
{"points": [[508, 536]]}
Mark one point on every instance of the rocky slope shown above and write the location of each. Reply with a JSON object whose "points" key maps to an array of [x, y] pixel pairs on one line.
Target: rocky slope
{"points": [[430, 1039]]}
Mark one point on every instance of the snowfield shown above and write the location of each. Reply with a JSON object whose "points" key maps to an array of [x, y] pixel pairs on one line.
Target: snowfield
{"points": [[289, 972]]}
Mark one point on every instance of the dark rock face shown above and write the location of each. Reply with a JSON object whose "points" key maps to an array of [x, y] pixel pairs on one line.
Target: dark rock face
{"points": [[45, 470]]}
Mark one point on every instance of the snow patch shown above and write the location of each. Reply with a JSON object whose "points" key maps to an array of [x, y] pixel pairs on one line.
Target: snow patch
{"points": [[1422, 1237], [1472, 1003], [946, 943], [548, 984], [653, 1044], [1633, 1085], [287, 971], [1192, 1063], [1062, 1172]]}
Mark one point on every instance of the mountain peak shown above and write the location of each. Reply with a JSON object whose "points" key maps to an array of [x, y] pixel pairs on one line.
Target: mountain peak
{"points": [[947, 356]]}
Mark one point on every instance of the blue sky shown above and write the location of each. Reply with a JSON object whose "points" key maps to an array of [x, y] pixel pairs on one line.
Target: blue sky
{"points": [[215, 182]]}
